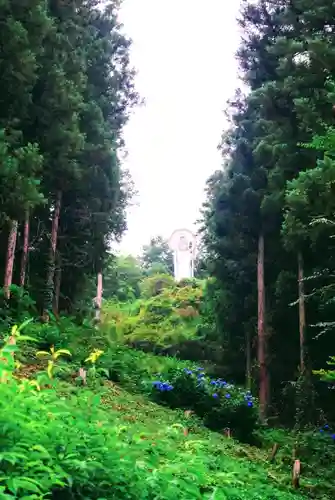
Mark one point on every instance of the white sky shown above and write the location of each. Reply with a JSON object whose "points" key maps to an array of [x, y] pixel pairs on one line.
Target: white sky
{"points": [[183, 51]]}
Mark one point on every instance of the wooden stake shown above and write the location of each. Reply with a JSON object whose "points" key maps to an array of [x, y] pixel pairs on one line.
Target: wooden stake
{"points": [[228, 433], [296, 474], [274, 452]]}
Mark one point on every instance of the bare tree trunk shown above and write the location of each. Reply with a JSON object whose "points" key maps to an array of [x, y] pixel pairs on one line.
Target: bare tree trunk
{"points": [[25, 252], [248, 360], [263, 374], [98, 299], [302, 312], [58, 280], [10, 258], [48, 300]]}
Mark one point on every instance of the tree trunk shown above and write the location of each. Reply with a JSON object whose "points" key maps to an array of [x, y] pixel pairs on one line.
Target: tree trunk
{"points": [[302, 312], [58, 280], [49, 292], [262, 362], [98, 299], [25, 252], [10, 258], [248, 360]]}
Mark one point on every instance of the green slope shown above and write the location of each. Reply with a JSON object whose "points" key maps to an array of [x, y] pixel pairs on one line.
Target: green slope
{"points": [[67, 442], [188, 460]]}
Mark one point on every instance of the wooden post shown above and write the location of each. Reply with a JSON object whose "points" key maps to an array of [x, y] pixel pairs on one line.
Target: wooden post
{"points": [[10, 258], [98, 299], [25, 251], [296, 474]]}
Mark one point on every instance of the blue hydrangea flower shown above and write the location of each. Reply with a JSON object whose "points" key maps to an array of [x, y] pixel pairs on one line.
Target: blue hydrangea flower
{"points": [[162, 386], [215, 395], [228, 396], [250, 403]]}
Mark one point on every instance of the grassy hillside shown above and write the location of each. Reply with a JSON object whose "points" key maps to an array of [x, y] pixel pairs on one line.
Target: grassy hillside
{"points": [[189, 461], [64, 440], [69, 442]]}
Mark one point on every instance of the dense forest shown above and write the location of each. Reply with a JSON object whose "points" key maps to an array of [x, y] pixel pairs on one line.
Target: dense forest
{"points": [[269, 214], [122, 382], [66, 92]]}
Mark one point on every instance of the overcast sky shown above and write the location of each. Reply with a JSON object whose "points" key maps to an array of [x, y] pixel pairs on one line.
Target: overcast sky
{"points": [[183, 51]]}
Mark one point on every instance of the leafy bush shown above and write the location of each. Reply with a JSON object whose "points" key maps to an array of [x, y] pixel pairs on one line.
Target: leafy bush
{"points": [[65, 333], [220, 404], [167, 316], [154, 285], [134, 369], [18, 308]]}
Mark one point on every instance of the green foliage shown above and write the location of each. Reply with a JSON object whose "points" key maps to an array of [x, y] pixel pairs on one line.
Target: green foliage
{"points": [[134, 369], [154, 285], [20, 307], [314, 447], [183, 385], [157, 257], [167, 315], [327, 375], [72, 447], [67, 71], [122, 278], [221, 405], [272, 185], [111, 444]]}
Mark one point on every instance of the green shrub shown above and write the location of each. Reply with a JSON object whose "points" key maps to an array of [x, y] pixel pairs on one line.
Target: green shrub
{"points": [[65, 333], [220, 404], [17, 309], [154, 285], [135, 369], [168, 317]]}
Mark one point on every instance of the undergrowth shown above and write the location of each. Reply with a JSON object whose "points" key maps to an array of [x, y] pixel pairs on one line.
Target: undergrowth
{"points": [[62, 439], [63, 443]]}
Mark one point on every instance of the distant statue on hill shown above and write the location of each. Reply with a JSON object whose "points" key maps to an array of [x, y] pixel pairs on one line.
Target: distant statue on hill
{"points": [[183, 245]]}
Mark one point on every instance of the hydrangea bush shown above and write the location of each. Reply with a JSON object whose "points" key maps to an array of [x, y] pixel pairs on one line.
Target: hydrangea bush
{"points": [[220, 404]]}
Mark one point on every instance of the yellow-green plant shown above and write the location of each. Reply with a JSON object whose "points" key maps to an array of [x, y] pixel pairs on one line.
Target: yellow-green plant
{"points": [[15, 333], [94, 372], [27, 384], [94, 356], [52, 357], [7, 361]]}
